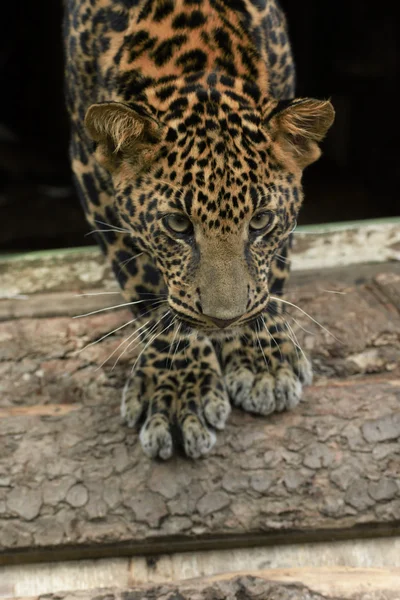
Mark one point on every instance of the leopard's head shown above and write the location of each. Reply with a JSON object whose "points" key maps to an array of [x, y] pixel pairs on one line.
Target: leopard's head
{"points": [[210, 188]]}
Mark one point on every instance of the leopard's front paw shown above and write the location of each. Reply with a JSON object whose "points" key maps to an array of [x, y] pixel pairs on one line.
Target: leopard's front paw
{"points": [[216, 407], [203, 407], [191, 401], [252, 392], [264, 393], [260, 382]]}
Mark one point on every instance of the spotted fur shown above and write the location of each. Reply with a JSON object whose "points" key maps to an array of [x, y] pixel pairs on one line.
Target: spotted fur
{"points": [[187, 149]]}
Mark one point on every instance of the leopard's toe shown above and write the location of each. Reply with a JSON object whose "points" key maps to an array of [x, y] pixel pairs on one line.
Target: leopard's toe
{"points": [[131, 406], [198, 440], [288, 389], [264, 393], [261, 399], [239, 384], [156, 438], [303, 369], [217, 409], [258, 397]]}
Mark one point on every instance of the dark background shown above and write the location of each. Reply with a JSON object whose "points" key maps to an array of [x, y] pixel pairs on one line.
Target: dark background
{"points": [[344, 50]]}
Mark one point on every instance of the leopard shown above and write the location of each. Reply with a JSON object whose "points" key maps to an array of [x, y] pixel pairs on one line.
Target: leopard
{"points": [[188, 146]]}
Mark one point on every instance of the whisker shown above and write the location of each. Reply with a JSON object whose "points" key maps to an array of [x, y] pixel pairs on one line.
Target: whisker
{"points": [[103, 231], [121, 344], [185, 347], [296, 347], [259, 343], [159, 295], [108, 308], [115, 228], [151, 340], [301, 326], [95, 294], [271, 336], [296, 343], [283, 258], [119, 292], [177, 345], [253, 338], [106, 335], [154, 306], [333, 292], [306, 314], [125, 262], [146, 332], [176, 329]]}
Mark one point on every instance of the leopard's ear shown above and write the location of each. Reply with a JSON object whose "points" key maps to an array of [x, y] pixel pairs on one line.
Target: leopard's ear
{"points": [[122, 133], [297, 126]]}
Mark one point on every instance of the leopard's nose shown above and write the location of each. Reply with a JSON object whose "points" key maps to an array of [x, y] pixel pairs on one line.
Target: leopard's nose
{"points": [[223, 323]]}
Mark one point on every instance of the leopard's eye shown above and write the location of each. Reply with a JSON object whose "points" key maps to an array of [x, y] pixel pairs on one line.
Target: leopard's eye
{"points": [[261, 221], [179, 224]]}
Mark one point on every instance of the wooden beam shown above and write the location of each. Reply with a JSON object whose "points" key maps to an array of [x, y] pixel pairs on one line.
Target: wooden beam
{"points": [[135, 571], [80, 299], [74, 483], [344, 244], [285, 584], [316, 247]]}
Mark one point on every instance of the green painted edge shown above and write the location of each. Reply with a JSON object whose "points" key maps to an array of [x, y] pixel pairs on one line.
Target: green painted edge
{"points": [[345, 225], [85, 251], [57, 253]]}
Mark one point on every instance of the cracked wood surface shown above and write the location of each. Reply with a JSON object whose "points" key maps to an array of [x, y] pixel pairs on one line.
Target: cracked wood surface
{"points": [[274, 584], [74, 482]]}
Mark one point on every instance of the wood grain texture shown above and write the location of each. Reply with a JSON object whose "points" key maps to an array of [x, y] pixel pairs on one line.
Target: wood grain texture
{"points": [[50, 577], [19, 281], [285, 584], [389, 284], [74, 482], [317, 248]]}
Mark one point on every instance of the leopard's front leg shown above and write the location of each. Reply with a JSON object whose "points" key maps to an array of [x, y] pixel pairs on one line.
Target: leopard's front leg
{"points": [[178, 394], [264, 368]]}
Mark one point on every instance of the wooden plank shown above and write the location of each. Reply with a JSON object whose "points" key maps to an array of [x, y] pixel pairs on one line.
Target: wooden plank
{"points": [[58, 304], [286, 584], [83, 299], [76, 484], [57, 271], [315, 248], [321, 247], [45, 578]]}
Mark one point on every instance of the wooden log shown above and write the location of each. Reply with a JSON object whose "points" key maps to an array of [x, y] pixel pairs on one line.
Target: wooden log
{"points": [[282, 584], [74, 482]]}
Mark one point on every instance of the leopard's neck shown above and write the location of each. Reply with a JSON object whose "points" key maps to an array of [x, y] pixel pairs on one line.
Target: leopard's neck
{"points": [[171, 94]]}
